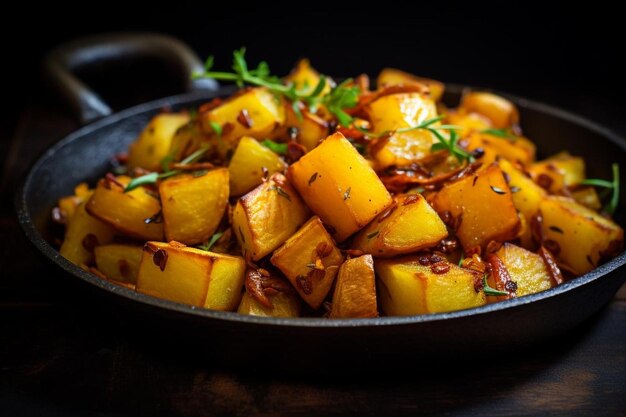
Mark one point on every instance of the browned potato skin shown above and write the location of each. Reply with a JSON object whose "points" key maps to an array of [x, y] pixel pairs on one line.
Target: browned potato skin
{"points": [[355, 289]]}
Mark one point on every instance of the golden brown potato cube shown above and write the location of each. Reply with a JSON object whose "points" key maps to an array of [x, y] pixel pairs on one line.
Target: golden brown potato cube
{"points": [[246, 167], [153, 144], [409, 225], [339, 185], [396, 111], [579, 237], [499, 110], [587, 196], [82, 235], [119, 262], [469, 122], [480, 207], [392, 76], [305, 77], [355, 290], [255, 112], [282, 301], [191, 276], [68, 205], [126, 212], [517, 149], [310, 128], [193, 205], [188, 139], [527, 269], [408, 287], [310, 260], [267, 216], [558, 172]]}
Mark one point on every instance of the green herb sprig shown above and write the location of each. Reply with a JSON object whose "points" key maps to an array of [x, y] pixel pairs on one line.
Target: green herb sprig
{"points": [[279, 148], [153, 177], [613, 185], [501, 133], [341, 97], [207, 246], [491, 291]]}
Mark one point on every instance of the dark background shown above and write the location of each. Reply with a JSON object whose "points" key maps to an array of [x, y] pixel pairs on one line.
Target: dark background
{"points": [[532, 49]]}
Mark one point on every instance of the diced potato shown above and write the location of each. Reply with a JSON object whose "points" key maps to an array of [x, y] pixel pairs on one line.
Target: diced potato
{"points": [[355, 290], [191, 276], [519, 149], [579, 237], [305, 77], [126, 212], [499, 110], [392, 76], [527, 269], [254, 112], [482, 203], [408, 288], [188, 139], [339, 185], [310, 260], [587, 196], [119, 262], [469, 122], [68, 205], [396, 111], [82, 235], [558, 172], [310, 129], [154, 142], [285, 302], [267, 216], [526, 194], [193, 206], [247, 163], [411, 226]]}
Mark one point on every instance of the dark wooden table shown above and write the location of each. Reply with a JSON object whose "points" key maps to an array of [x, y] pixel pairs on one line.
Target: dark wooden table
{"points": [[59, 357]]}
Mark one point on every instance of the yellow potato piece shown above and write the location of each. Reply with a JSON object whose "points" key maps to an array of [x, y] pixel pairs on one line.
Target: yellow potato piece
{"points": [[500, 111], [191, 276], [527, 269], [558, 172], [412, 225], [267, 216], [408, 288], [583, 237], [305, 77], [396, 111], [518, 149], [154, 142], [392, 76], [193, 206], [284, 304], [482, 203], [355, 289], [299, 259], [247, 164], [339, 185], [82, 235], [126, 212], [119, 262]]}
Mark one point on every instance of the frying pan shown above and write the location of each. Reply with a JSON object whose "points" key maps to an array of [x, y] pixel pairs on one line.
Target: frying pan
{"points": [[85, 154]]}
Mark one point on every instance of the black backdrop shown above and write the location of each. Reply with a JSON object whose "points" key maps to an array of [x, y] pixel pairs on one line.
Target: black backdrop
{"points": [[557, 54]]}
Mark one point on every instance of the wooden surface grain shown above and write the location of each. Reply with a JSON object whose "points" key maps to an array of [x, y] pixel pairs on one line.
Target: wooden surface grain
{"points": [[59, 358]]}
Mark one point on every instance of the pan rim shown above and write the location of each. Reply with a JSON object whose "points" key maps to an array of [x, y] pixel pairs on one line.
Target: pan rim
{"points": [[37, 240]]}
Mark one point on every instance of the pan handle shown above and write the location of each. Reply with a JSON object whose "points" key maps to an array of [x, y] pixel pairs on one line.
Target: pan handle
{"points": [[60, 64]]}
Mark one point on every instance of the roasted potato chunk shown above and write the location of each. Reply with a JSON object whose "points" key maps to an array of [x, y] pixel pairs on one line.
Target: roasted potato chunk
{"points": [[154, 142], [355, 290], [409, 225], [310, 260], [338, 184], [500, 111], [246, 168], [255, 112], [68, 205], [305, 77], [188, 275], [126, 212], [267, 216], [193, 205], [392, 76], [526, 269], [480, 207], [516, 148], [407, 287], [119, 262], [188, 139], [83, 234], [281, 301], [558, 172], [396, 111], [579, 237]]}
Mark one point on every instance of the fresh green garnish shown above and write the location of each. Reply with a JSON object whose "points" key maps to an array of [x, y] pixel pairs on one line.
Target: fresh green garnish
{"points": [[613, 185], [153, 177], [340, 97], [501, 133], [491, 291], [279, 148], [462, 259], [207, 246], [217, 128]]}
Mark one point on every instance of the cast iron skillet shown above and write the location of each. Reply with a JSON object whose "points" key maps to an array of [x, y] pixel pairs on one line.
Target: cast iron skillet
{"points": [[85, 154]]}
